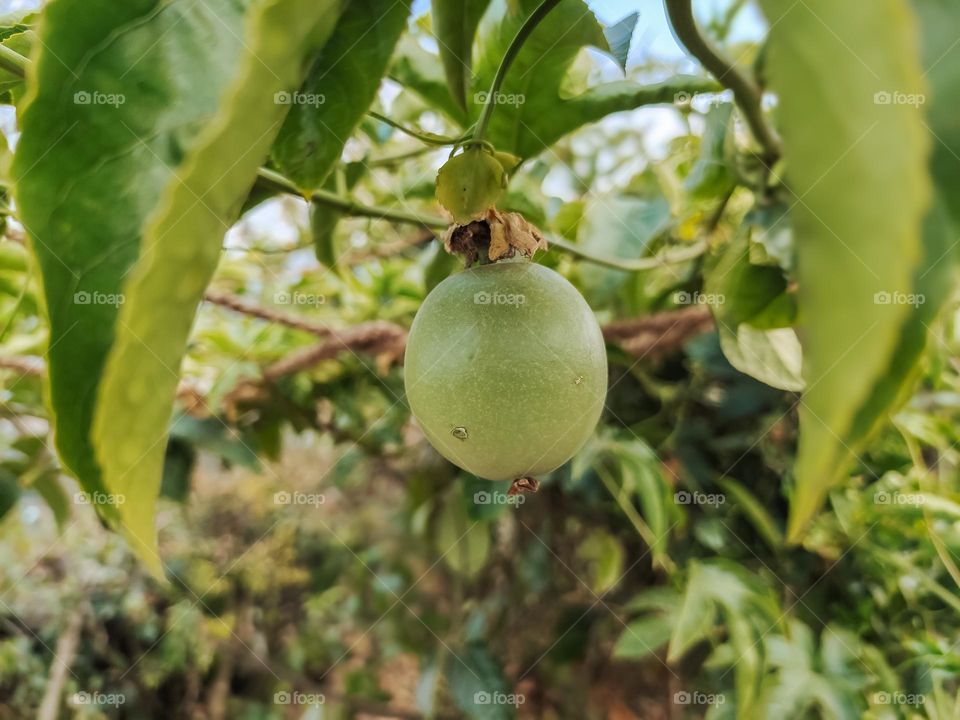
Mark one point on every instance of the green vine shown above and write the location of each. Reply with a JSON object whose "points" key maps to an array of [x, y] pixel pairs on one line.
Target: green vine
{"points": [[508, 57], [747, 94], [429, 138]]}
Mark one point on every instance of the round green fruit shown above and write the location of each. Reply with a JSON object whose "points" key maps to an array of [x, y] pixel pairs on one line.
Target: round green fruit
{"points": [[506, 370]]}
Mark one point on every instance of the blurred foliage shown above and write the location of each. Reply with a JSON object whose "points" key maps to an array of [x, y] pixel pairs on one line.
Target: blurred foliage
{"points": [[318, 549]]}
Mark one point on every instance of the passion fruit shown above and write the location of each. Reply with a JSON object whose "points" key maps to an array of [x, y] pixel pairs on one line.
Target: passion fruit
{"points": [[505, 370]]}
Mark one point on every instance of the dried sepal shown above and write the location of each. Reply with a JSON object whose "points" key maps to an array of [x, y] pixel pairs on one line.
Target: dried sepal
{"points": [[494, 236]]}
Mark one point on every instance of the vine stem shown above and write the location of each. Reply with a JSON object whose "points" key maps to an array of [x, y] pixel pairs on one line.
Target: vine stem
{"points": [[13, 62], [747, 94], [350, 207], [508, 57], [428, 138], [433, 222]]}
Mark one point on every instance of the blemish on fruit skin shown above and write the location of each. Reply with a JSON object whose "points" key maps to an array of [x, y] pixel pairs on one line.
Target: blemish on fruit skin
{"points": [[460, 433], [579, 380]]}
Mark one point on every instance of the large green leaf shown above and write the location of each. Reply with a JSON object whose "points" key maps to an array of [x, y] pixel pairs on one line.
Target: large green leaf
{"points": [[421, 72], [936, 273], [143, 130], [454, 25], [939, 20], [532, 113], [857, 168], [339, 88]]}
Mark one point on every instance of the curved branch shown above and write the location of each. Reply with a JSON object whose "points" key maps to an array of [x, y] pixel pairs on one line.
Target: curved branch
{"points": [[747, 94]]}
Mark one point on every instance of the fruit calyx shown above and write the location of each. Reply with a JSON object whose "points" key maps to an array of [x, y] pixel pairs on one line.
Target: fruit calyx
{"points": [[494, 236]]}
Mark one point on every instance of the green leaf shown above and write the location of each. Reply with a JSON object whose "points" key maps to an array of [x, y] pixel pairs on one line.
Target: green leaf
{"points": [[9, 492], [864, 192], [619, 36], [340, 86], [941, 65], [128, 174], [695, 616], [477, 685], [712, 175], [324, 219], [323, 224], [747, 300], [647, 634], [643, 637], [470, 183], [216, 438], [618, 227], [759, 516], [532, 113], [455, 25], [422, 72], [603, 555], [178, 464], [934, 276], [49, 487], [463, 543]]}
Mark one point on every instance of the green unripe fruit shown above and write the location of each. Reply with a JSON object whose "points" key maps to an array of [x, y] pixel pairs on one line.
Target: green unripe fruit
{"points": [[506, 370]]}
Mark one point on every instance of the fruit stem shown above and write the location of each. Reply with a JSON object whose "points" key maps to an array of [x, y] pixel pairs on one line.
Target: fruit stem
{"points": [[508, 57], [523, 485], [747, 93]]}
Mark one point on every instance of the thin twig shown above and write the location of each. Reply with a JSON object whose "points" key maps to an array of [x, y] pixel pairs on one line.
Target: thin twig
{"points": [[63, 657], [240, 305]]}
